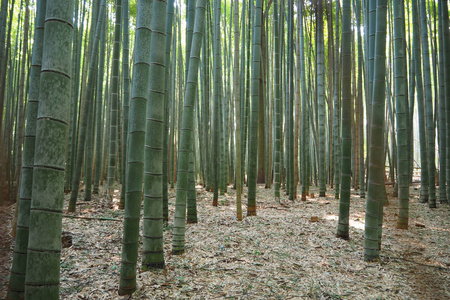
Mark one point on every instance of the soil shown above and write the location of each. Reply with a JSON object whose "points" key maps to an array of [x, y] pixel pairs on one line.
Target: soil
{"points": [[6, 242], [288, 251]]}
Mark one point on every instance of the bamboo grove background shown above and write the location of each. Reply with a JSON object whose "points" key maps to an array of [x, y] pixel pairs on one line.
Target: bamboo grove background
{"points": [[166, 94]]}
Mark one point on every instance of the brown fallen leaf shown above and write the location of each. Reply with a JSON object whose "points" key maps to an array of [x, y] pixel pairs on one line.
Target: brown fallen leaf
{"points": [[418, 224]]}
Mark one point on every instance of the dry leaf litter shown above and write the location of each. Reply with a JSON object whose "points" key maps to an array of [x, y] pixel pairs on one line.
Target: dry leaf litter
{"points": [[288, 251]]}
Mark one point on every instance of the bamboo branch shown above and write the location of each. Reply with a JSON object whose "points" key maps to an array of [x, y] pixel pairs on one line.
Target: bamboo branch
{"points": [[92, 218]]}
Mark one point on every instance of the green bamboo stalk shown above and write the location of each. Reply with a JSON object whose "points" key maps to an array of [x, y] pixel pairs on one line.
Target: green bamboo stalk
{"points": [[370, 46], [237, 107], [20, 120], [401, 111], [173, 110], [44, 243], [442, 114], [126, 95], [289, 130], [226, 104], [424, 178], [222, 162], [337, 110], [113, 139], [89, 95], [99, 111], [411, 93], [246, 104], [4, 52], [374, 202], [256, 75], [167, 102], [3, 17], [190, 19], [222, 109], [446, 53], [107, 111], [277, 99], [135, 151], [429, 108], [346, 164], [270, 125], [181, 85], [262, 104], [74, 109], [6, 165], [243, 90], [16, 287], [206, 108], [89, 145], [321, 98], [216, 101], [187, 136], [230, 87], [153, 254], [191, 193], [305, 139], [362, 173]]}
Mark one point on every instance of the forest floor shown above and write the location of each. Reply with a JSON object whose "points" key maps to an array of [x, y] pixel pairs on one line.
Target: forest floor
{"points": [[288, 251]]}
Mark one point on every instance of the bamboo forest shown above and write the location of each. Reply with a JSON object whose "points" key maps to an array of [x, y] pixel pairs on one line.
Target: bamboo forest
{"points": [[225, 149]]}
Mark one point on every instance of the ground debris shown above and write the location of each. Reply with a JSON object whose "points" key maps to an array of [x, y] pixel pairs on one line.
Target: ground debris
{"points": [[287, 251], [421, 225]]}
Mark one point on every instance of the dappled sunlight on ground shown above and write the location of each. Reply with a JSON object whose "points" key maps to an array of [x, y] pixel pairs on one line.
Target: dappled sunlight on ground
{"points": [[289, 250]]}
